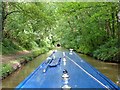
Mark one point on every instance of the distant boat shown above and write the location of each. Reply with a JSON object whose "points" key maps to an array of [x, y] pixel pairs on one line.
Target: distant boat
{"points": [[67, 70]]}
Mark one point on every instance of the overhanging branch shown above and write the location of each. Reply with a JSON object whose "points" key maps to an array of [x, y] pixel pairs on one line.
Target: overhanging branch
{"points": [[5, 17]]}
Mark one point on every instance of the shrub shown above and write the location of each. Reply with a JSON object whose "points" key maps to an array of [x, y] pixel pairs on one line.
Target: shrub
{"points": [[107, 52]]}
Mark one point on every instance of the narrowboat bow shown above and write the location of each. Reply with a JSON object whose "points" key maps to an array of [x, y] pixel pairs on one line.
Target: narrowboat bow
{"points": [[66, 70]]}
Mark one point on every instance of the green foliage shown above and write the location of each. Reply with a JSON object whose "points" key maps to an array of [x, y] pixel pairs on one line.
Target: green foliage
{"points": [[35, 53], [38, 52], [9, 46], [8, 68], [85, 27], [107, 51], [29, 25], [89, 28], [5, 69]]}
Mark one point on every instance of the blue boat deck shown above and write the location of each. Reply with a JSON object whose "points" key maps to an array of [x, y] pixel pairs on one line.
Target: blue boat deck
{"points": [[81, 74]]}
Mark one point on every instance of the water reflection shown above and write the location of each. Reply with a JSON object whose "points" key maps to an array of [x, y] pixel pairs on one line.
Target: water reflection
{"points": [[111, 70]]}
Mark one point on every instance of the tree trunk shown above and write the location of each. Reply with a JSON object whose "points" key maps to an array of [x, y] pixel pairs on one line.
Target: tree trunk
{"points": [[3, 15], [108, 28]]}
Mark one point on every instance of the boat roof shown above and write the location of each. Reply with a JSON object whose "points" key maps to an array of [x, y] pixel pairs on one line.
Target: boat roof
{"points": [[80, 74]]}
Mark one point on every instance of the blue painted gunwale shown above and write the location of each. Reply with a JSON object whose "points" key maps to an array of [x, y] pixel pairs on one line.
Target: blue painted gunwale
{"points": [[82, 74]]}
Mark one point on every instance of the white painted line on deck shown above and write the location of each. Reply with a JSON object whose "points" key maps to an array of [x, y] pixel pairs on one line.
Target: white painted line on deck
{"points": [[88, 73]]}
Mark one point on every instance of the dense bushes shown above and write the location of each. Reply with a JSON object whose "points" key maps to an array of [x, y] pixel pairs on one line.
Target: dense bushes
{"points": [[107, 51], [10, 46], [90, 28], [21, 32], [6, 70], [35, 53]]}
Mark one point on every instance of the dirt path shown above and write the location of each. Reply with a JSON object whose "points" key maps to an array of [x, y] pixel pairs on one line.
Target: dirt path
{"points": [[12, 57]]}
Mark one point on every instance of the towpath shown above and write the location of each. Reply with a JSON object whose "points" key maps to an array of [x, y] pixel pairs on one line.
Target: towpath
{"points": [[12, 57]]}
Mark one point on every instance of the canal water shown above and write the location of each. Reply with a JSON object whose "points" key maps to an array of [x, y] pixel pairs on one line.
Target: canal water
{"points": [[111, 70]]}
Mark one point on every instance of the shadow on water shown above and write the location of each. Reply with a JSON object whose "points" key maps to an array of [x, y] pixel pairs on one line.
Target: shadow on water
{"points": [[108, 69]]}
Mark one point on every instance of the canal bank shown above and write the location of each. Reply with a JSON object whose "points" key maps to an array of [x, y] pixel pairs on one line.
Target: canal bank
{"points": [[106, 68], [11, 63], [15, 78]]}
